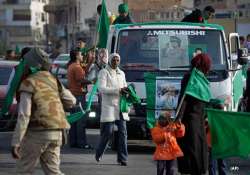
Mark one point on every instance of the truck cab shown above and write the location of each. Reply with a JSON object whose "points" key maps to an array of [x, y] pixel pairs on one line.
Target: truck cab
{"points": [[167, 49]]}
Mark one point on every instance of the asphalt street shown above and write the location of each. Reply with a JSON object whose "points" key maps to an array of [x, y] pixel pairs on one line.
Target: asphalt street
{"points": [[79, 161]]}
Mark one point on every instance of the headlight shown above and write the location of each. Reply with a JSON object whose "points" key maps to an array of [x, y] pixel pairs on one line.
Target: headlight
{"points": [[92, 115]]}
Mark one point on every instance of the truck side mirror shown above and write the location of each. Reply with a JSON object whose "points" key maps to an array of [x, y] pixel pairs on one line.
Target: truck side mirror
{"points": [[242, 56]]}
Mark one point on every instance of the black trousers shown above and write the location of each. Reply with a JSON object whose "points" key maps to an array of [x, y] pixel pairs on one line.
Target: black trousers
{"points": [[166, 165]]}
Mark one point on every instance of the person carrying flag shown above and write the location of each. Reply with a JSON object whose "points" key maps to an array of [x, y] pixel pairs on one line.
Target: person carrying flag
{"points": [[41, 117], [193, 144]]}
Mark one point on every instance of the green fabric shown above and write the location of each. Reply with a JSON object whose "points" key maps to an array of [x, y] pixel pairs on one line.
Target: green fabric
{"points": [[123, 8], [103, 27], [91, 96], [237, 87], [19, 70], [229, 133], [217, 101], [198, 86], [127, 100], [150, 80], [244, 70], [84, 51], [17, 50], [75, 117]]}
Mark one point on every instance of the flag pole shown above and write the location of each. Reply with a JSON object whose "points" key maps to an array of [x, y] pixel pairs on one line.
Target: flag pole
{"points": [[180, 105]]}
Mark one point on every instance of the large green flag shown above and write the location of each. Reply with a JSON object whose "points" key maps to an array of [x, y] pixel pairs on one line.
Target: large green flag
{"points": [[78, 115], [150, 82], [15, 82], [103, 27], [198, 86], [230, 133]]}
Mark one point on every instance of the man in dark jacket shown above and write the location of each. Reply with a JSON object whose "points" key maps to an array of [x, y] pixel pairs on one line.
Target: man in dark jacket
{"points": [[198, 16], [124, 17]]}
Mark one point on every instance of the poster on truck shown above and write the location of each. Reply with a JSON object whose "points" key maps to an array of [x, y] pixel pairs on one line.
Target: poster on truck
{"points": [[166, 95]]}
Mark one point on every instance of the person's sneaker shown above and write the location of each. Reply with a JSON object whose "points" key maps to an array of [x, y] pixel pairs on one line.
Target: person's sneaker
{"points": [[98, 159], [122, 163]]}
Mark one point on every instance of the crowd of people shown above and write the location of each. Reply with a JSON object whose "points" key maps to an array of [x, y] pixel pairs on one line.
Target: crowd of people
{"points": [[41, 124]]}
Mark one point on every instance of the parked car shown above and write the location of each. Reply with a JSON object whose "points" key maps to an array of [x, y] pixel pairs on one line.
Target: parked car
{"points": [[59, 67], [6, 72]]}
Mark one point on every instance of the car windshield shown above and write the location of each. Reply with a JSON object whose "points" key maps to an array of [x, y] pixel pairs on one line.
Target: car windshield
{"points": [[5, 75], [163, 49]]}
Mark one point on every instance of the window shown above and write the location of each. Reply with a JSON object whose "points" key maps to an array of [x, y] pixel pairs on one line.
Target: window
{"points": [[20, 31], [21, 15], [43, 17]]}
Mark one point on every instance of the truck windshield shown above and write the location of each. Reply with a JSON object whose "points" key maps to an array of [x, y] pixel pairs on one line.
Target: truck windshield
{"points": [[162, 49]]}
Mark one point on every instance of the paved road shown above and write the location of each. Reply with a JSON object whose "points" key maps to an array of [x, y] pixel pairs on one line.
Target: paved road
{"points": [[77, 161]]}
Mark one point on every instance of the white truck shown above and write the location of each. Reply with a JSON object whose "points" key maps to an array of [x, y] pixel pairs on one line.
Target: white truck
{"points": [[167, 48]]}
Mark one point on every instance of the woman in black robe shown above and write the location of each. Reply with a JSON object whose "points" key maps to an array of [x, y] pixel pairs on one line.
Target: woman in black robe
{"points": [[193, 144]]}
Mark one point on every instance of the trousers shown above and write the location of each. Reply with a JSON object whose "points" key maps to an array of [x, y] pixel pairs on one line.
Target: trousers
{"points": [[43, 146]]}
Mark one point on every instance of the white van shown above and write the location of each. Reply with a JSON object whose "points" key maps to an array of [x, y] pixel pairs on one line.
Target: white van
{"points": [[167, 48]]}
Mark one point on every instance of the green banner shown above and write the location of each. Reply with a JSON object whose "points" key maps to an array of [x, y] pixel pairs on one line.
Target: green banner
{"points": [[150, 91], [103, 27], [198, 86], [15, 82], [229, 133]]}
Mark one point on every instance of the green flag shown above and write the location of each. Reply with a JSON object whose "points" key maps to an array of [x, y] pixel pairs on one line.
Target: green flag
{"points": [[75, 117], [198, 86], [150, 82], [15, 82], [103, 27], [17, 50], [229, 133], [91, 96], [128, 99]]}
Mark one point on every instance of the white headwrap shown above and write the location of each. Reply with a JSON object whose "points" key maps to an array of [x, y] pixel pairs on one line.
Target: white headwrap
{"points": [[112, 56]]}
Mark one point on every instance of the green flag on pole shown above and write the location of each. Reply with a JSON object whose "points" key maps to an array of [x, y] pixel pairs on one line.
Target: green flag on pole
{"points": [[150, 82], [229, 133], [103, 27], [198, 86], [15, 82], [75, 117]]}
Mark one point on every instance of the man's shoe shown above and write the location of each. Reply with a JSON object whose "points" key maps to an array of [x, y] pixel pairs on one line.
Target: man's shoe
{"points": [[98, 159], [122, 163]]}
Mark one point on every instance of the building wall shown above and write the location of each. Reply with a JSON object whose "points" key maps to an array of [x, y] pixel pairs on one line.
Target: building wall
{"points": [[158, 10], [89, 11], [22, 22]]}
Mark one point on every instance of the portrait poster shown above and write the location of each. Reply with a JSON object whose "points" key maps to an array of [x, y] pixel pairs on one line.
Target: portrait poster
{"points": [[166, 95], [173, 51]]}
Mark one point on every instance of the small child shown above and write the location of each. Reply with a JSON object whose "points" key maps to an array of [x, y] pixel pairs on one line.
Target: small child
{"points": [[215, 163], [167, 150]]}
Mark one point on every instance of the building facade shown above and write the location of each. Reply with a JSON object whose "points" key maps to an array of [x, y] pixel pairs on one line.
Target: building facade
{"points": [[158, 10], [22, 23], [239, 9], [71, 19]]}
